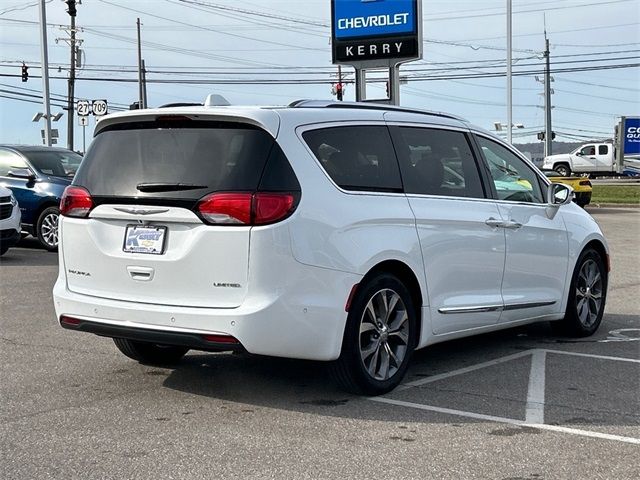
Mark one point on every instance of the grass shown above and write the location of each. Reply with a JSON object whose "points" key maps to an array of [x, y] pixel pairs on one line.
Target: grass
{"points": [[616, 194]]}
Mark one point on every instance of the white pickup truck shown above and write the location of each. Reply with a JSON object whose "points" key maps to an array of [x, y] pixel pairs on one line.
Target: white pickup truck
{"points": [[589, 158]]}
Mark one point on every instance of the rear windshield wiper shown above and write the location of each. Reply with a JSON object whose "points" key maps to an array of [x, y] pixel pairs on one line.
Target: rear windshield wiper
{"points": [[168, 187]]}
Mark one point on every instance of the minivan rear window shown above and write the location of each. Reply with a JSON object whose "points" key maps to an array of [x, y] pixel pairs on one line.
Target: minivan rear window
{"points": [[179, 159]]}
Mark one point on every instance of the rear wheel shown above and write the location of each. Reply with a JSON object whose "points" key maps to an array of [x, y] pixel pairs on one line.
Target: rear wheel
{"points": [[379, 338], [47, 228], [150, 353], [587, 296]]}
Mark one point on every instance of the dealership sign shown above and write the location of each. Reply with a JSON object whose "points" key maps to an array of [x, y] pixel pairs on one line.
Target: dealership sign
{"points": [[631, 131], [376, 32]]}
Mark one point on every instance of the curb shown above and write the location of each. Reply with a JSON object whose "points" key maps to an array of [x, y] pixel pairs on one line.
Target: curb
{"points": [[613, 205]]}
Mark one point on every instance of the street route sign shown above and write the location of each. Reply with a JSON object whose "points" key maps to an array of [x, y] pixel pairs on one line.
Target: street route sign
{"points": [[83, 121], [99, 107], [84, 108]]}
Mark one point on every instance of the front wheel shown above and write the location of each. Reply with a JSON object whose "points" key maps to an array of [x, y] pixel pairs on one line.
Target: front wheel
{"points": [[47, 228], [587, 296], [150, 353], [379, 337]]}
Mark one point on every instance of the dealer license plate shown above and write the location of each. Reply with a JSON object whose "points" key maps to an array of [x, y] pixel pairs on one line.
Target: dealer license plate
{"points": [[145, 239]]}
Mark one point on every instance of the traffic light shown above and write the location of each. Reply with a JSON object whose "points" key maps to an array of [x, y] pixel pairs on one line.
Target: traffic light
{"points": [[71, 7], [25, 73]]}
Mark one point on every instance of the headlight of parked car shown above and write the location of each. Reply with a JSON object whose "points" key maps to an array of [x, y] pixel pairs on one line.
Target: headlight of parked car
{"points": [[13, 200]]}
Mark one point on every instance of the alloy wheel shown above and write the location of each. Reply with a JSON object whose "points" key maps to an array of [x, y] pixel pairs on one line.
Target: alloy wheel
{"points": [[384, 334], [49, 229], [589, 293]]}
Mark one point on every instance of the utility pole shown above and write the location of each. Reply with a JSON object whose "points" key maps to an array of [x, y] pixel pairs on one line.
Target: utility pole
{"points": [[140, 79], [548, 131], [45, 73], [509, 75], [71, 10]]}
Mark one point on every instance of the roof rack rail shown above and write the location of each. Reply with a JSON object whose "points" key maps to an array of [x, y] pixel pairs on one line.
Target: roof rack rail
{"points": [[180, 104], [369, 106]]}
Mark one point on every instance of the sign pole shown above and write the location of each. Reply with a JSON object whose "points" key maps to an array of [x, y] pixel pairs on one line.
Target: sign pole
{"points": [[84, 139], [45, 73], [361, 84], [509, 76]]}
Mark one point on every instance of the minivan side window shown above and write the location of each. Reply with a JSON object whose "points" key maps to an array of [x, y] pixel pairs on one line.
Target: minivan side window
{"points": [[437, 162], [357, 157], [603, 149], [514, 180], [9, 161]]}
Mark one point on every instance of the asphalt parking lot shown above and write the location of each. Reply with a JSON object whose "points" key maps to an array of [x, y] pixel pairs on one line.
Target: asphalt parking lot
{"points": [[518, 404]]}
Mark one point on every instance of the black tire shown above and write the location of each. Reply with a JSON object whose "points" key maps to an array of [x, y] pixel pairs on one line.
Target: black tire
{"points": [[150, 353], [577, 321], [47, 228], [349, 370], [563, 169]]}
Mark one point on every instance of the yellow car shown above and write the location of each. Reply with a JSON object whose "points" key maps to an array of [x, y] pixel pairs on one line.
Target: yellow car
{"points": [[581, 186]]}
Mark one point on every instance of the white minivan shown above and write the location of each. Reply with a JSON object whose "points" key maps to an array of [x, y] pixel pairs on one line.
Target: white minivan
{"points": [[342, 232]]}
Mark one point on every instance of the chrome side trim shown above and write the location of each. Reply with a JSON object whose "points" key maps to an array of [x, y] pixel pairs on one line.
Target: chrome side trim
{"points": [[518, 306], [473, 309], [493, 308]]}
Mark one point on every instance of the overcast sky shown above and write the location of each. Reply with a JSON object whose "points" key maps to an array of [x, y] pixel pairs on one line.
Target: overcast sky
{"points": [[189, 39]]}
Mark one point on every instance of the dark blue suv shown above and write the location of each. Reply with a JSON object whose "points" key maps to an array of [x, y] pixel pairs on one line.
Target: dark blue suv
{"points": [[38, 176]]}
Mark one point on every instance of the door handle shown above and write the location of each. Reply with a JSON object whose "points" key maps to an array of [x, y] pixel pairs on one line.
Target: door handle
{"points": [[141, 274], [493, 223], [511, 225]]}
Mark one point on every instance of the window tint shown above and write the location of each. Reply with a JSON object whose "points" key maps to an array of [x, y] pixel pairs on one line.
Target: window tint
{"points": [[513, 178], [603, 149], [357, 157], [54, 163], [278, 175], [437, 162], [214, 156], [9, 161]]}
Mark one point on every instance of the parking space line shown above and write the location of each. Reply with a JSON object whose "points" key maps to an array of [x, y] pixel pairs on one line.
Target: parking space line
{"points": [[460, 371], [535, 393], [510, 421], [590, 355]]}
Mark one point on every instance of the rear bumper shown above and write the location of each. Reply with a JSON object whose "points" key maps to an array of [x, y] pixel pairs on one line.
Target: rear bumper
{"points": [[185, 339], [304, 321]]}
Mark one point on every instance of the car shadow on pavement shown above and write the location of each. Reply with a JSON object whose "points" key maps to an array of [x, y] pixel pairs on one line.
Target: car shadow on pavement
{"points": [[305, 386]]}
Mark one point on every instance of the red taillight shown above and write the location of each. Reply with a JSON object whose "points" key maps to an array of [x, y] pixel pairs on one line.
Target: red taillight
{"points": [[271, 207], [260, 208], [220, 339], [585, 182], [226, 208], [76, 202]]}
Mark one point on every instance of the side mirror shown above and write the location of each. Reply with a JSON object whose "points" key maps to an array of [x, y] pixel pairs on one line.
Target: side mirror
{"points": [[578, 154], [21, 173], [559, 194]]}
